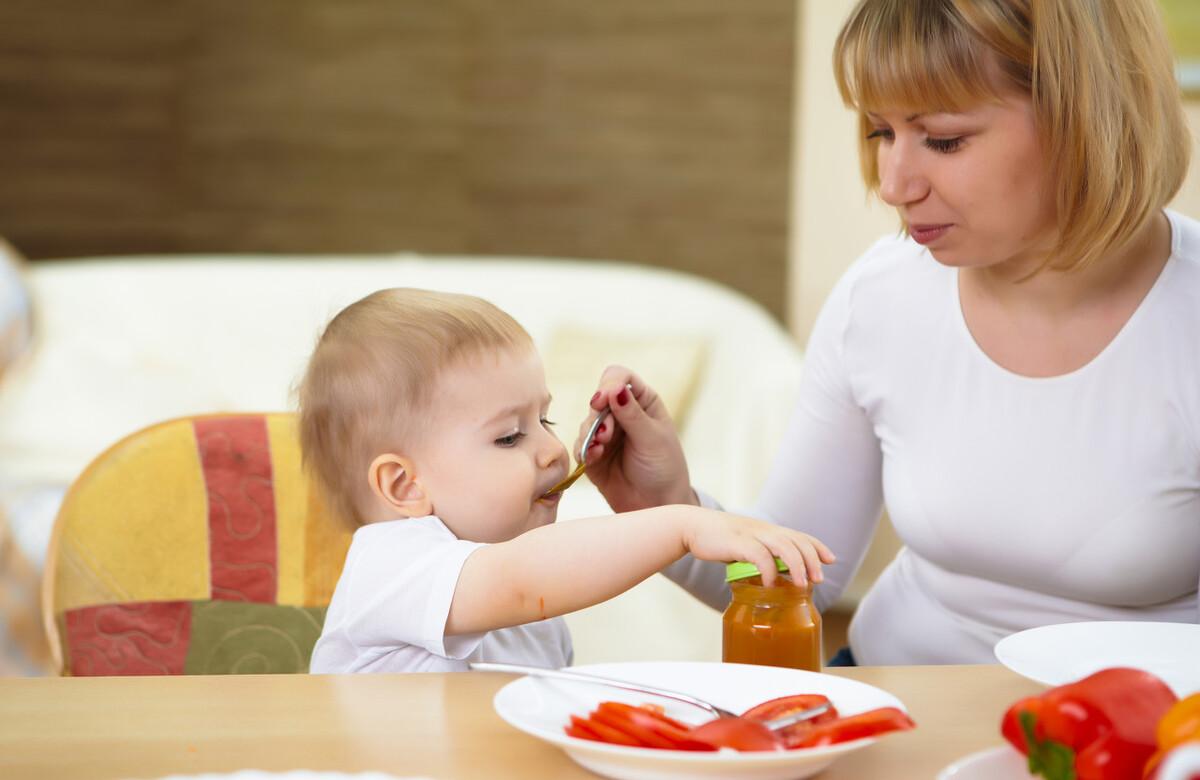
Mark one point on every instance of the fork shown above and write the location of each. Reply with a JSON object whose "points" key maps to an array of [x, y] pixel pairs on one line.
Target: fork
{"points": [[595, 679], [717, 712], [578, 471]]}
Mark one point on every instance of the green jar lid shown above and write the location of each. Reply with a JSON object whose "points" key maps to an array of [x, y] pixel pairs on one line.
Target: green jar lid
{"points": [[740, 570]]}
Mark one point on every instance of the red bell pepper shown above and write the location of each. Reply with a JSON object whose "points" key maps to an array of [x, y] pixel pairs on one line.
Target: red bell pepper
{"points": [[1099, 728]]}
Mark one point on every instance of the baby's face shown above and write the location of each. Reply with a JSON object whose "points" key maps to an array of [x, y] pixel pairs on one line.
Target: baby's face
{"points": [[488, 454]]}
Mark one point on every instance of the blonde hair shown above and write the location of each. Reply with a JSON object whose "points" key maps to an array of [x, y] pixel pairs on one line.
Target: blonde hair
{"points": [[372, 376], [1100, 75]]}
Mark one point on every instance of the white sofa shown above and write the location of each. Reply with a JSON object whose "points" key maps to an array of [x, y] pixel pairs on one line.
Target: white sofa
{"points": [[120, 343]]}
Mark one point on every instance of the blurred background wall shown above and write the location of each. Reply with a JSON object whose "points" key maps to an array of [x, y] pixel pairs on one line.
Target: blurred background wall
{"points": [[698, 135], [651, 132]]}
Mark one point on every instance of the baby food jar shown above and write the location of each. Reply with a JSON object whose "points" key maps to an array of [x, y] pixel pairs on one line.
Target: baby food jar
{"points": [[775, 626]]}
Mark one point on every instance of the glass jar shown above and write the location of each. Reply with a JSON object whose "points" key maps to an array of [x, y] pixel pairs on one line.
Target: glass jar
{"points": [[775, 626]]}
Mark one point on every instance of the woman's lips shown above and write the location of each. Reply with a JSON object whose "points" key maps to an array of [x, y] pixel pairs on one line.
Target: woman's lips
{"points": [[927, 234]]}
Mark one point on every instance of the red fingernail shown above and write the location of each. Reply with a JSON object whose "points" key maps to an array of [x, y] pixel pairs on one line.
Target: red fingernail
{"points": [[622, 397], [597, 395]]}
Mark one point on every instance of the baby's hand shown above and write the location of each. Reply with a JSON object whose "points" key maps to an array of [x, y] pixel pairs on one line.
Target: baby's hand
{"points": [[720, 536]]}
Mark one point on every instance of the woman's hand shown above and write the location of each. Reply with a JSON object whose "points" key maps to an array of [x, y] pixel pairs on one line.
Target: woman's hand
{"points": [[635, 458]]}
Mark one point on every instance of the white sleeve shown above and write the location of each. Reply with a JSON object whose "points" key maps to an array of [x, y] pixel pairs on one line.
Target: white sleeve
{"points": [[400, 590], [827, 476], [825, 479]]}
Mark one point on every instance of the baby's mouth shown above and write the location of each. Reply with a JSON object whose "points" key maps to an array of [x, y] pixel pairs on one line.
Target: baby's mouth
{"points": [[552, 493]]}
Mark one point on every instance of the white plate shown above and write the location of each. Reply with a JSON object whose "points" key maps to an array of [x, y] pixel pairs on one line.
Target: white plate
{"points": [[999, 763], [1063, 653], [543, 707]]}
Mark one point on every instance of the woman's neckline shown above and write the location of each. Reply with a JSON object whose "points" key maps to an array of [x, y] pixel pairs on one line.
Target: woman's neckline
{"points": [[1099, 357]]}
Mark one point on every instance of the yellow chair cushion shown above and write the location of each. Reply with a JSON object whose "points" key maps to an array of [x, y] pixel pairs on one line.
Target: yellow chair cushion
{"points": [[185, 540]]}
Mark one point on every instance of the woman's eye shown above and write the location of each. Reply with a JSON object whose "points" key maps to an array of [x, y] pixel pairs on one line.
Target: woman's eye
{"points": [[510, 440], [880, 133], [944, 145], [548, 422]]}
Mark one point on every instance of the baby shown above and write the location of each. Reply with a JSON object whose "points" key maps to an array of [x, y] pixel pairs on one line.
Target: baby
{"points": [[423, 417]]}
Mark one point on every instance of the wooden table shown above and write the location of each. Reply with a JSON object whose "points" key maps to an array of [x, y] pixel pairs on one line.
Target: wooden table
{"points": [[435, 725]]}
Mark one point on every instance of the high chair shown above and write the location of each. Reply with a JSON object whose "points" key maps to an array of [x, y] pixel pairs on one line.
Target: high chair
{"points": [[194, 546]]}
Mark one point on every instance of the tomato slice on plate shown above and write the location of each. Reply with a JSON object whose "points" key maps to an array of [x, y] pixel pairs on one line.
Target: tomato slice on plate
{"points": [[598, 732], [640, 729], [738, 733], [865, 724], [786, 705], [625, 724]]}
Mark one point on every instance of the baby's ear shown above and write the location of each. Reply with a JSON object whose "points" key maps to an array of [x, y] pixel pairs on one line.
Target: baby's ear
{"points": [[394, 482]]}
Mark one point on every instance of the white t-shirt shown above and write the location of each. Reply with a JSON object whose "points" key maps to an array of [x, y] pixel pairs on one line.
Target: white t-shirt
{"points": [[1020, 501], [389, 610]]}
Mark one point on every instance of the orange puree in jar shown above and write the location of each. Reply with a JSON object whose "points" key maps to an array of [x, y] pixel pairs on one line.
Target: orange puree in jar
{"points": [[775, 626]]}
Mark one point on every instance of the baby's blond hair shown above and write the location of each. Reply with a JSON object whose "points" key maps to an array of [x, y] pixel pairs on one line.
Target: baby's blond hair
{"points": [[372, 376]]}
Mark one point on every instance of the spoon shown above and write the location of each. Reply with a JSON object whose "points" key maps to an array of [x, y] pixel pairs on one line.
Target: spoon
{"points": [[718, 713], [583, 448]]}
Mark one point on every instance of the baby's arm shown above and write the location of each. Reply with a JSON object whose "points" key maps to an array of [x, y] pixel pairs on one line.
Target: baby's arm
{"points": [[564, 567]]}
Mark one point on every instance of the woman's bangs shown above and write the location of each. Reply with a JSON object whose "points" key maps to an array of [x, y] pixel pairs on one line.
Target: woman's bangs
{"points": [[901, 58]]}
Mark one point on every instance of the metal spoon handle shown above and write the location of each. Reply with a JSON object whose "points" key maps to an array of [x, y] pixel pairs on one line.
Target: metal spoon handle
{"points": [[587, 440], [793, 718], [562, 674]]}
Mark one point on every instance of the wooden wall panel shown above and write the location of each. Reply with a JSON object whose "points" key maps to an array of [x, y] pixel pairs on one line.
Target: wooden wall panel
{"points": [[654, 132]]}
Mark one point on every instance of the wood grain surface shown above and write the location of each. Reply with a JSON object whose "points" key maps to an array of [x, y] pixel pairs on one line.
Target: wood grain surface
{"points": [[647, 132]]}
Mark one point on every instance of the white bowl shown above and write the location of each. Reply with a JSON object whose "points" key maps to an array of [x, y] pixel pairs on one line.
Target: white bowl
{"points": [[1066, 652], [542, 708], [999, 763]]}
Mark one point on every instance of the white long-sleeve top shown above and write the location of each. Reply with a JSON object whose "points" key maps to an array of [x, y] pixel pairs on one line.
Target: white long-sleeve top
{"points": [[1020, 501]]}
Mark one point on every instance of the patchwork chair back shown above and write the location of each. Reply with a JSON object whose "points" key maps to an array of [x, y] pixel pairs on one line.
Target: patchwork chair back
{"points": [[194, 546]]}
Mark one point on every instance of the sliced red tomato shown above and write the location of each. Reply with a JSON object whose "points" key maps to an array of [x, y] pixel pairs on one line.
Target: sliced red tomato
{"points": [[635, 726], [624, 724], [676, 735], [786, 705], [598, 732], [578, 728], [651, 710], [865, 724], [792, 736], [738, 733]]}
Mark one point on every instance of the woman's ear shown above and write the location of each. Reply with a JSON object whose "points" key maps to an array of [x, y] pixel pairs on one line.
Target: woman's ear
{"points": [[394, 481]]}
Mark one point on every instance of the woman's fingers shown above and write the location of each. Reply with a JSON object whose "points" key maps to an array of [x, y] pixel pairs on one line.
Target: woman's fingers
{"points": [[615, 377], [629, 414], [618, 378], [605, 432]]}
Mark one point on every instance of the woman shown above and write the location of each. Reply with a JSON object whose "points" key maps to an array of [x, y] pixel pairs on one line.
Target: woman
{"points": [[1017, 378]]}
